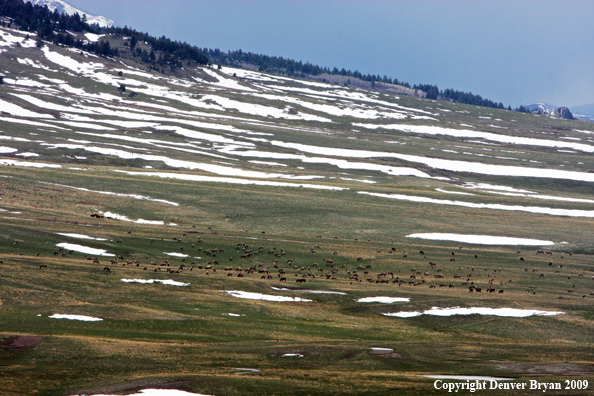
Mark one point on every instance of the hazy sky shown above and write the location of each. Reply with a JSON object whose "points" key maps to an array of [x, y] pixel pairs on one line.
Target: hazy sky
{"points": [[510, 51]]}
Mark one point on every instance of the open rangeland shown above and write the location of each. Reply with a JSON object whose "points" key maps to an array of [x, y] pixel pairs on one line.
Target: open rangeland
{"points": [[243, 233]]}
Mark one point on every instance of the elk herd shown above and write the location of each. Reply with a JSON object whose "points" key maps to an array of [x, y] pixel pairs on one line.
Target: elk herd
{"points": [[353, 270]]}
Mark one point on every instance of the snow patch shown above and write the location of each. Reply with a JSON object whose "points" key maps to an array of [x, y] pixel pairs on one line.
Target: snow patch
{"points": [[149, 281], [81, 236], [481, 239], [517, 208], [84, 249], [176, 254], [383, 300], [158, 392], [263, 297], [309, 291], [125, 218], [506, 312], [76, 317]]}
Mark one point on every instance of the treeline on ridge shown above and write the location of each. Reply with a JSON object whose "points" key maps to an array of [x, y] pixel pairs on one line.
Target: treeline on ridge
{"points": [[54, 26], [292, 68]]}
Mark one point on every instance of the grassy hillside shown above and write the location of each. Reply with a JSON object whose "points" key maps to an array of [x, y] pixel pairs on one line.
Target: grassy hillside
{"points": [[216, 182]]}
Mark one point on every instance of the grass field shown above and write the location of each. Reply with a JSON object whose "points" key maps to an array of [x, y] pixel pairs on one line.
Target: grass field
{"points": [[251, 183]]}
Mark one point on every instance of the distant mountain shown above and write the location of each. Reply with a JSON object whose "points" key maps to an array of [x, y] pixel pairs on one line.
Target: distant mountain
{"points": [[540, 108], [583, 117], [551, 111], [584, 112], [65, 8]]}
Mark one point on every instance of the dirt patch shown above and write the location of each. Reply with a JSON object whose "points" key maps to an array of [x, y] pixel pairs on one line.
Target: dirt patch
{"points": [[385, 353], [391, 355], [19, 344]]}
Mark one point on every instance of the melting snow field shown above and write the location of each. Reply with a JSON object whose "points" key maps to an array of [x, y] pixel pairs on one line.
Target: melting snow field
{"points": [[444, 164], [18, 111], [157, 392], [452, 192], [485, 186], [481, 239], [29, 164], [517, 208], [340, 163], [241, 371], [76, 317], [81, 236], [383, 300], [84, 249], [139, 221], [176, 254], [507, 312], [7, 150], [433, 130], [512, 192], [309, 291], [69, 63], [382, 350], [263, 297], [164, 282]]}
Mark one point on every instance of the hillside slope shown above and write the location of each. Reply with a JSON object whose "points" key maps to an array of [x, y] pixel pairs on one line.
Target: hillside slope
{"points": [[232, 122], [233, 232]]}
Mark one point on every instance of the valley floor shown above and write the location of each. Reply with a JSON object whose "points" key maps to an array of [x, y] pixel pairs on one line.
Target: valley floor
{"points": [[241, 233]]}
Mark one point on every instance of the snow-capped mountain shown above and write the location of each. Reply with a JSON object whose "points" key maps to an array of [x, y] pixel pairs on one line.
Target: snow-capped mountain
{"points": [[66, 8], [541, 107], [551, 111]]}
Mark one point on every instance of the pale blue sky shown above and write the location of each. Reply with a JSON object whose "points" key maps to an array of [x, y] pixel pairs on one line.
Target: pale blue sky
{"points": [[510, 51]]}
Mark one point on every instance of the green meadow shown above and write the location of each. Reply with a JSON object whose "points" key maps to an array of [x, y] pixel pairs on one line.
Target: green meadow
{"points": [[275, 188], [184, 336]]}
